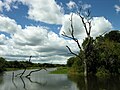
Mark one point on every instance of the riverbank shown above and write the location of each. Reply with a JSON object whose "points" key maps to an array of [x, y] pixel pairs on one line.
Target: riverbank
{"points": [[60, 70]]}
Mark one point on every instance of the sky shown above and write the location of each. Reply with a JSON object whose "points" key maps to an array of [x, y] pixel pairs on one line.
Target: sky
{"points": [[34, 27]]}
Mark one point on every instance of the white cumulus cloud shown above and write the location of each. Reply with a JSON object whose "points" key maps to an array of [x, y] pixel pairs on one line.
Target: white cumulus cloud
{"points": [[85, 6], [3, 39], [71, 4], [42, 44], [7, 4], [117, 8], [8, 25], [99, 26], [31, 36], [1, 5], [47, 11]]}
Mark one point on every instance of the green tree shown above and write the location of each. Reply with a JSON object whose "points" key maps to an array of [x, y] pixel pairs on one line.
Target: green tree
{"points": [[103, 56], [70, 61], [113, 36], [2, 64], [109, 53]]}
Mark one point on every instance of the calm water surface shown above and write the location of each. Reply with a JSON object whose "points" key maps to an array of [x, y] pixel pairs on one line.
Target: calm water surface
{"points": [[42, 80]]}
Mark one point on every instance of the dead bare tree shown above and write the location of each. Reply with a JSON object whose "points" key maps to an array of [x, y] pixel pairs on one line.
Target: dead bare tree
{"points": [[86, 21], [30, 58], [21, 74]]}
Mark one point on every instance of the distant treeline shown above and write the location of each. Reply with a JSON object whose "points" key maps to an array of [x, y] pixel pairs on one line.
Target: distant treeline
{"points": [[12, 65]]}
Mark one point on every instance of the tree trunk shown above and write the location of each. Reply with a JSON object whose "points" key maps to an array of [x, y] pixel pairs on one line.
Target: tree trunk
{"points": [[86, 83], [85, 68], [85, 74]]}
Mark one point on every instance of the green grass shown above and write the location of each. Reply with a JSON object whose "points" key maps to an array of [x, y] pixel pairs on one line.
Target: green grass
{"points": [[60, 70], [12, 69]]}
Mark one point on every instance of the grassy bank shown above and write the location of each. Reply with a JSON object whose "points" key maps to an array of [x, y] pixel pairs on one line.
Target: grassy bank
{"points": [[60, 70]]}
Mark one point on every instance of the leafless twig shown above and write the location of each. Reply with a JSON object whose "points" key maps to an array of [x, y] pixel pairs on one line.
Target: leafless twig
{"points": [[36, 71]]}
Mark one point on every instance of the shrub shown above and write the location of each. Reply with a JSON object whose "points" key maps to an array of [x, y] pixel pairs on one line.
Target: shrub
{"points": [[102, 72]]}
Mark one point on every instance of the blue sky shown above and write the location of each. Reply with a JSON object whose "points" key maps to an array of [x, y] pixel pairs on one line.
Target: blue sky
{"points": [[34, 27]]}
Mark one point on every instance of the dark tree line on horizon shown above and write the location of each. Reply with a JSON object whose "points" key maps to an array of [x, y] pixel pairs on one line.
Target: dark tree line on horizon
{"points": [[13, 65]]}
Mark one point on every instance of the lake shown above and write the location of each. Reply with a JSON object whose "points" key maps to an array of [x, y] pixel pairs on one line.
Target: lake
{"points": [[42, 80]]}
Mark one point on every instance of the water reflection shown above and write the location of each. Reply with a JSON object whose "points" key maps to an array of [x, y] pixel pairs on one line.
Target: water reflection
{"points": [[38, 81], [24, 84], [94, 83], [42, 84], [44, 81], [1, 78]]}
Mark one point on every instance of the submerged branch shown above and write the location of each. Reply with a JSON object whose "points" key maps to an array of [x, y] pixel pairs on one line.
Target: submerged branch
{"points": [[42, 84], [24, 85], [21, 74], [35, 71], [13, 80]]}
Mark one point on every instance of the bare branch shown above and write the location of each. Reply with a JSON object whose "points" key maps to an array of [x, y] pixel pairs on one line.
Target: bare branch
{"points": [[33, 71], [21, 74], [84, 24], [89, 23], [36, 71], [72, 34], [104, 33], [87, 17], [72, 52], [30, 58], [67, 36], [88, 13]]}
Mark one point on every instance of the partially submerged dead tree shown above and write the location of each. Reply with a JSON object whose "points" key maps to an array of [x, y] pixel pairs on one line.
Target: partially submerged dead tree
{"points": [[21, 74], [30, 58], [24, 83], [35, 71], [86, 21], [29, 74]]}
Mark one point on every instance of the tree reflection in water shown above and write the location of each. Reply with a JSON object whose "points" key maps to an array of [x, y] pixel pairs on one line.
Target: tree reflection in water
{"points": [[39, 83], [94, 83], [1, 78], [23, 81], [13, 80]]}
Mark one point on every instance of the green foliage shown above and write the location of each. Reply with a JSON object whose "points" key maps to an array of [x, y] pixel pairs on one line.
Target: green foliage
{"points": [[70, 61], [113, 36], [2, 64], [17, 65], [102, 72], [60, 70], [77, 66], [103, 51]]}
